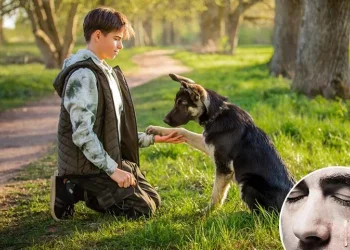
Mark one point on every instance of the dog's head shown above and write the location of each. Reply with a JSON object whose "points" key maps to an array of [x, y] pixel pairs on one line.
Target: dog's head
{"points": [[190, 102]]}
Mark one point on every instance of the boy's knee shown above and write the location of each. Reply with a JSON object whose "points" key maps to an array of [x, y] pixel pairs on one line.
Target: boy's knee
{"points": [[157, 200], [153, 204]]}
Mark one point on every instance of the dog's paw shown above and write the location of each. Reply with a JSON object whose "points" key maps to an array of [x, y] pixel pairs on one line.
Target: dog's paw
{"points": [[153, 130]]}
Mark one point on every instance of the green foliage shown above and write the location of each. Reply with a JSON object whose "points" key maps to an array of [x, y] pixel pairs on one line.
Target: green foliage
{"points": [[19, 84], [309, 134], [259, 34]]}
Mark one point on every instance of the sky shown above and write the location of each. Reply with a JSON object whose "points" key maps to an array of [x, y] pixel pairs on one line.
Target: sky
{"points": [[9, 22]]}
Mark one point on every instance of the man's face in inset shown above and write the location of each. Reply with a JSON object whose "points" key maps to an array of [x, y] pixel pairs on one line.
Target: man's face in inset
{"points": [[316, 213]]}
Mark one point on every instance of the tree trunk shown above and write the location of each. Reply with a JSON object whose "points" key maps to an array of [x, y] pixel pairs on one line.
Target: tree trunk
{"points": [[210, 24], [288, 17], [171, 33], [166, 32], [233, 21], [323, 51], [2, 36], [70, 33], [148, 28], [138, 27], [52, 46]]}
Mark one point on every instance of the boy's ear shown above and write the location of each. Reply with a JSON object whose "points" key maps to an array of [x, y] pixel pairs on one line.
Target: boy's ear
{"points": [[96, 34]]}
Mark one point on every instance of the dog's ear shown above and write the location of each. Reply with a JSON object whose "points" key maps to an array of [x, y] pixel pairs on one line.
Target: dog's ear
{"points": [[181, 79], [197, 91]]}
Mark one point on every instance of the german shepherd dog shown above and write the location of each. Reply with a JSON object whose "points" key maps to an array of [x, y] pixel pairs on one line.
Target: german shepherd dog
{"points": [[240, 150]]}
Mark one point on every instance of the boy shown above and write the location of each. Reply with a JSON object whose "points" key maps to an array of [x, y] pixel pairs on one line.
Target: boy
{"points": [[98, 141]]}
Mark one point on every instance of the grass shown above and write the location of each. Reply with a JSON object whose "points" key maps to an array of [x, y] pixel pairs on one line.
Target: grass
{"points": [[309, 134], [20, 84]]}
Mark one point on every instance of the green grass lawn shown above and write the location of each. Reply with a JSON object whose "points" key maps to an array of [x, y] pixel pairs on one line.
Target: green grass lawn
{"points": [[309, 134], [23, 83]]}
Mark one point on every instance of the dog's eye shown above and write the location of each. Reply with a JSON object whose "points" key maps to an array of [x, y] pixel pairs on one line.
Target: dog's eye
{"points": [[181, 102]]}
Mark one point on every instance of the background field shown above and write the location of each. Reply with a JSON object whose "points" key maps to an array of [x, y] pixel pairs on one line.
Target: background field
{"points": [[309, 134]]}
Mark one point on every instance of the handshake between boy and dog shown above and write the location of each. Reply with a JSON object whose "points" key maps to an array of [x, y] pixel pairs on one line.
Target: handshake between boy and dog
{"points": [[240, 150]]}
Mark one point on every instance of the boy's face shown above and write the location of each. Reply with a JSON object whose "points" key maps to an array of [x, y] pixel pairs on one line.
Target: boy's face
{"points": [[108, 46]]}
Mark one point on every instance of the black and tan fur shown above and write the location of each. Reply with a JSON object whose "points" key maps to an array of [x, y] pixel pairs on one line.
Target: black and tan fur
{"points": [[240, 150]]}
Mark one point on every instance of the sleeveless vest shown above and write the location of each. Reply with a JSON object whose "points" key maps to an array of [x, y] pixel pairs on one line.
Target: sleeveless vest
{"points": [[71, 160]]}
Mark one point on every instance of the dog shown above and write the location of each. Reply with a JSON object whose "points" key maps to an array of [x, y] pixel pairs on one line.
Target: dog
{"points": [[241, 151]]}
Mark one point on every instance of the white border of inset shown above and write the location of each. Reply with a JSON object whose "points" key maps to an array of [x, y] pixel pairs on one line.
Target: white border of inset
{"points": [[317, 170]]}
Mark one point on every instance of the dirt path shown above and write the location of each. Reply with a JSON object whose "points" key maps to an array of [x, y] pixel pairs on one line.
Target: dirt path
{"points": [[27, 132]]}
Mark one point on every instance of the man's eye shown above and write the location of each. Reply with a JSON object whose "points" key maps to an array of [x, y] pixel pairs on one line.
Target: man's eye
{"points": [[342, 196], [296, 196]]}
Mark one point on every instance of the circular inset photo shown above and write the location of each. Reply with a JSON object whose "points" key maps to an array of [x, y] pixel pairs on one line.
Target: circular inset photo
{"points": [[316, 212]]}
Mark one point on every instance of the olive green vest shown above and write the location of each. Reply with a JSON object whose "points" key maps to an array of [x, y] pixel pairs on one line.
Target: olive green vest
{"points": [[71, 160]]}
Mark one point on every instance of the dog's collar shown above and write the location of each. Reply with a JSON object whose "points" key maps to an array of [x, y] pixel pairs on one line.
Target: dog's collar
{"points": [[211, 119]]}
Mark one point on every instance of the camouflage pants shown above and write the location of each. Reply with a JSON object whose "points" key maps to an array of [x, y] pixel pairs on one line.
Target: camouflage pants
{"points": [[102, 194]]}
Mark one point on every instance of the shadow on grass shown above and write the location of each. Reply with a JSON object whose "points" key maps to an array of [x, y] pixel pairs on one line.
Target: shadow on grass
{"points": [[33, 228], [30, 224]]}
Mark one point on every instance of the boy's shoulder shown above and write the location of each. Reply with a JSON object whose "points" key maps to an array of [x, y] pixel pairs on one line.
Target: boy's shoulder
{"points": [[76, 72], [82, 74]]}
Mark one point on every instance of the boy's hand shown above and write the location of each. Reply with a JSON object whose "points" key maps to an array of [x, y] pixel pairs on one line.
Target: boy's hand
{"points": [[170, 138], [123, 179]]}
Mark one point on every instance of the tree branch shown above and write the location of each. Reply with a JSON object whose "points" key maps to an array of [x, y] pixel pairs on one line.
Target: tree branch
{"points": [[48, 7], [9, 7], [42, 20], [57, 5], [257, 18], [47, 49], [269, 6], [45, 38], [69, 36], [27, 7], [249, 4]]}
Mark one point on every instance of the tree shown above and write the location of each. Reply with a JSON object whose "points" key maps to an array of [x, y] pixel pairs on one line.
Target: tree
{"points": [[2, 36], [170, 13], [288, 17], [53, 46], [236, 10], [5, 9], [322, 66], [223, 17], [211, 23]]}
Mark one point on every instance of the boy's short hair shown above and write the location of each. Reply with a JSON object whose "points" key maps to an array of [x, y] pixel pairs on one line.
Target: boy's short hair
{"points": [[106, 20]]}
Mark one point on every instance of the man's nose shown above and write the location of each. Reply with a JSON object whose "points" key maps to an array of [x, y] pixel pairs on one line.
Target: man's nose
{"points": [[312, 224]]}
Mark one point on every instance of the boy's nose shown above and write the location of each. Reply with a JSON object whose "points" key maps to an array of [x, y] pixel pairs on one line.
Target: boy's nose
{"points": [[120, 45], [312, 225]]}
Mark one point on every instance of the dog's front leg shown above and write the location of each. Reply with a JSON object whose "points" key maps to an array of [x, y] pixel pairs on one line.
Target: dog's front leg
{"points": [[193, 139], [220, 188], [157, 130]]}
